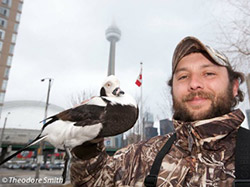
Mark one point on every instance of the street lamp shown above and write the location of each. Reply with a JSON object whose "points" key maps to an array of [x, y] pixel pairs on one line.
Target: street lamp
{"points": [[47, 100], [2, 134], [40, 149]]}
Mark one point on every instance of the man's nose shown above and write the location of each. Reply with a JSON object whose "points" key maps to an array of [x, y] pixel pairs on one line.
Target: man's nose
{"points": [[196, 82]]}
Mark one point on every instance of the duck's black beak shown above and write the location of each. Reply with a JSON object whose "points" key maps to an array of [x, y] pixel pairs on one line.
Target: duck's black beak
{"points": [[117, 91]]}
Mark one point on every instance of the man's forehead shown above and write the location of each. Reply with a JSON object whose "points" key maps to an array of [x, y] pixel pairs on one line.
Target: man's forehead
{"points": [[195, 59], [201, 66]]}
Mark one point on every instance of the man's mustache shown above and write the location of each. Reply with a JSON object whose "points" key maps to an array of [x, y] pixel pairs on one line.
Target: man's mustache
{"points": [[199, 94]]}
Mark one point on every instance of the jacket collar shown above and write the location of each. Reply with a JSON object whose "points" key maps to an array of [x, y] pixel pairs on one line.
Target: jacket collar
{"points": [[208, 134]]}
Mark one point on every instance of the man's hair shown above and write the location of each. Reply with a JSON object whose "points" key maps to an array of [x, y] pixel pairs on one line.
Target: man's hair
{"points": [[235, 75], [232, 75]]}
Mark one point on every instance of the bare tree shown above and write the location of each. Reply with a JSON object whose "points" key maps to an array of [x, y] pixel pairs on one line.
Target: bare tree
{"points": [[235, 38], [167, 103], [135, 131], [79, 97]]}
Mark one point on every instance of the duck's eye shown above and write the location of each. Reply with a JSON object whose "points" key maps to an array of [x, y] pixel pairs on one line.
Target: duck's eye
{"points": [[108, 84]]}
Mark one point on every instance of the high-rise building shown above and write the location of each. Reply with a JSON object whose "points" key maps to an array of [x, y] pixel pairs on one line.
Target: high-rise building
{"points": [[150, 132], [10, 14], [148, 126]]}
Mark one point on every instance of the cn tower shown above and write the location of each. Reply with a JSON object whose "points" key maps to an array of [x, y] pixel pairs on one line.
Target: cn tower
{"points": [[113, 35]]}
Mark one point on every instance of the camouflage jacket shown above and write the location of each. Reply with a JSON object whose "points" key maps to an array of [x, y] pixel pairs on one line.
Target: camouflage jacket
{"points": [[203, 155]]}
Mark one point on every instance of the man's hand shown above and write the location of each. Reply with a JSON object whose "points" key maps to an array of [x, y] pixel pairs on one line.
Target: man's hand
{"points": [[89, 149]]}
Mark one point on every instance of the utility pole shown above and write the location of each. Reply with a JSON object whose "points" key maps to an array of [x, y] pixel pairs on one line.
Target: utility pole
{"points": [[39, 157]]}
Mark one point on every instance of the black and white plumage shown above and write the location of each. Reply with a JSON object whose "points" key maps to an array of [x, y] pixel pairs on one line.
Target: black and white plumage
{"points": [[111, 113]]}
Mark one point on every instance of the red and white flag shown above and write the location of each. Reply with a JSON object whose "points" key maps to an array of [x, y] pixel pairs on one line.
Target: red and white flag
{"points": [[138, 82]]}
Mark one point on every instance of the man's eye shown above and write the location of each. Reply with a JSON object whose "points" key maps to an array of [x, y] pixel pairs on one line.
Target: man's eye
{"points": [[182, 77], [209, 74]]}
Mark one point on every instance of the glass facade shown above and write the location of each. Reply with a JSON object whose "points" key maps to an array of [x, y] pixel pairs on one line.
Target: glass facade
{"points": [[3, 22], [1, 45], [2, 94], [9, 61], [11, 51], [4, 85], [2, 34], [7, 2], [18, 17], [4, 11], [16, 27], [13, 39], [20, 6], [6, 72]]}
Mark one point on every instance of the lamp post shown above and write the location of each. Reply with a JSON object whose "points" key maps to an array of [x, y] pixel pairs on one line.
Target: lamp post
{"points": [[47, 100], [39, 156], [2, 134]]}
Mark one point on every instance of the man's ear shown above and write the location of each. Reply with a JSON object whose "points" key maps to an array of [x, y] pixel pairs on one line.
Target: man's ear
{"points": [[235, 87]]}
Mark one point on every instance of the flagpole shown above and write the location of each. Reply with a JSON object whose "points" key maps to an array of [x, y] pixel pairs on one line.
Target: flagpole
{"points": [[141, 109], [140, 125]]}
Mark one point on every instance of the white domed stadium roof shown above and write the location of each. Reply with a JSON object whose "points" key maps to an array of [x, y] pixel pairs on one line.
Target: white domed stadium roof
{"points": [[26, 114]]}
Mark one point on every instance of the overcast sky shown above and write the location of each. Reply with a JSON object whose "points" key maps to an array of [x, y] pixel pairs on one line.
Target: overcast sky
{"points": [[65, 40]]}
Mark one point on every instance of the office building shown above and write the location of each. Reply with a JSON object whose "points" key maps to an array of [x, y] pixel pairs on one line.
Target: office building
{"points": [[150, 132], [10, 14]]}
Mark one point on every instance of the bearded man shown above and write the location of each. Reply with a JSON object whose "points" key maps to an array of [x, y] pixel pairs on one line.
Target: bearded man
{"points": [[205, 90]]}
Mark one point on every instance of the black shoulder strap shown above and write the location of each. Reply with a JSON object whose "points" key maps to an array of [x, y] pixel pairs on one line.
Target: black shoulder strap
{"points": [[151, 179], [242, 158]]}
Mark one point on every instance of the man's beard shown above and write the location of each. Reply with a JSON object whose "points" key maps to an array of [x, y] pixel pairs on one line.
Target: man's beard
{"points": [[220, 105]]}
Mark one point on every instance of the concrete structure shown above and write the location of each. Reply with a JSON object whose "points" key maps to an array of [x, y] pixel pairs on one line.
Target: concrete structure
{"points": [[23, 125], [18, 137], [26, 114], [10, 13], [15, 139], [113, 35], [21, 120]]}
